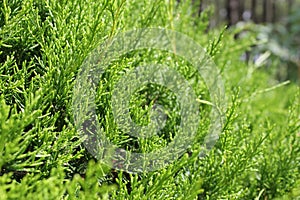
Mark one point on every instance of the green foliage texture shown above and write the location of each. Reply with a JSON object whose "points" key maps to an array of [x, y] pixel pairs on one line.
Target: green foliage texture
{"points": [[42, 46]]}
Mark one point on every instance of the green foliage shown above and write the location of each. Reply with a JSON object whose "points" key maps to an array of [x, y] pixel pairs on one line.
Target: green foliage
{"points": [[42, 46]]}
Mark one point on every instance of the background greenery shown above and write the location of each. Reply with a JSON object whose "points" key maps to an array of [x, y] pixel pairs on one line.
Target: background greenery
{"points": [[42, 46]]}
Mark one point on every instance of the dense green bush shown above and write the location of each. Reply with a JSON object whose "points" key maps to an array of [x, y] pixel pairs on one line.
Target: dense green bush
{"points": [[42, 46]]}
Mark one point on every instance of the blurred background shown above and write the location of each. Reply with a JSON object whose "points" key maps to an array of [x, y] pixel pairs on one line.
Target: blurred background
{"points": [[276, 23]]}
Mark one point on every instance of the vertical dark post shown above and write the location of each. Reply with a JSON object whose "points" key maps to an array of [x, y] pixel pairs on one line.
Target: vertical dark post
{"points": [[199, 6], [232, 11], [269, 10], [265, 10], [274, 17], [253, 10], [241, 9]]}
